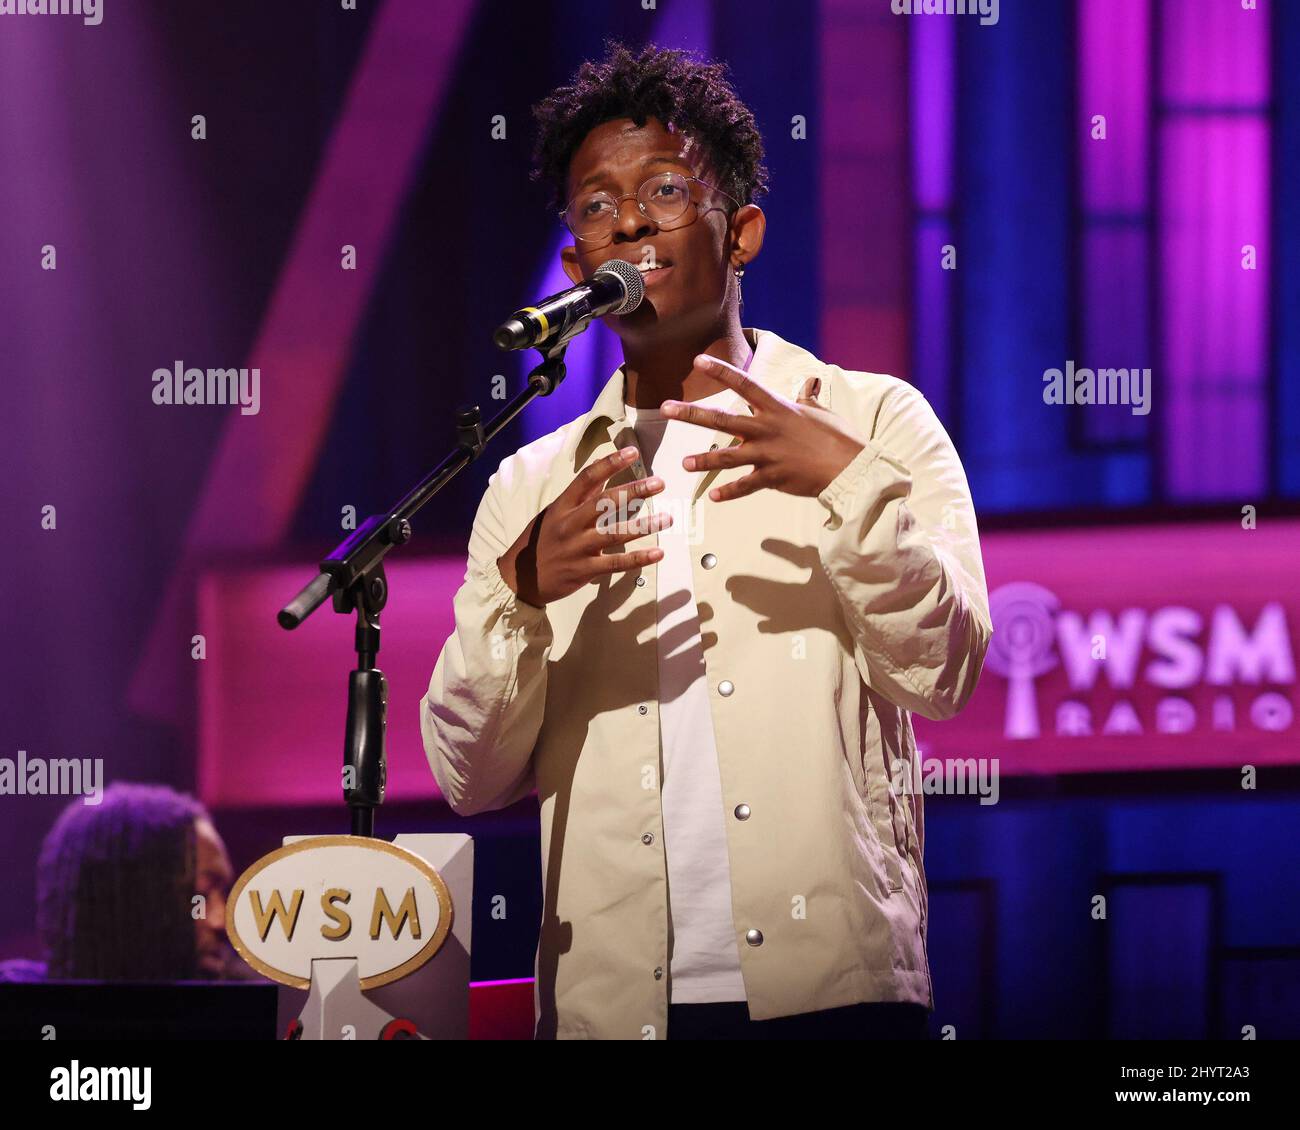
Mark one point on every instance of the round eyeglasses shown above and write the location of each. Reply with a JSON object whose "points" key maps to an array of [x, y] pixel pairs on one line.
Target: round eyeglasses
{"points": [[661, 198]]}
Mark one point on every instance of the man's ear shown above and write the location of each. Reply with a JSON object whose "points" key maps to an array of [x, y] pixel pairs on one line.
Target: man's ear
{"points": [[748, 226], [569, 261]]}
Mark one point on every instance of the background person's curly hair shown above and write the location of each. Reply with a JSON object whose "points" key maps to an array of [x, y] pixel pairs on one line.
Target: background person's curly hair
{"points": [[114, 884], [662, 82]]}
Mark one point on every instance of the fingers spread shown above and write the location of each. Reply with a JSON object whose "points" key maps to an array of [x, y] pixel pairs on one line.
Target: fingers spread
{"points": [[625, 562], [738, 455], [738, 379], [735, 423], [739, 488], [622, 508], [592, 480]]}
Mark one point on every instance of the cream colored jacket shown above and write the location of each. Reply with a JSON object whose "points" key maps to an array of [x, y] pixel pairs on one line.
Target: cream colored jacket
{"points": [[825, 622]]}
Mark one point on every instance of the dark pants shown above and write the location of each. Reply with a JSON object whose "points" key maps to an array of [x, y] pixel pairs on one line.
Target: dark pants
{"points": [[729, 1020]]}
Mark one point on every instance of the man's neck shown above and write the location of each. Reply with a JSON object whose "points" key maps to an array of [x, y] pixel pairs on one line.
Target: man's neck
{"points": [[667, 372]]}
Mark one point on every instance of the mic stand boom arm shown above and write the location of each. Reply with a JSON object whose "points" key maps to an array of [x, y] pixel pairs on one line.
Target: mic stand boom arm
{"points": [[353, 574]]}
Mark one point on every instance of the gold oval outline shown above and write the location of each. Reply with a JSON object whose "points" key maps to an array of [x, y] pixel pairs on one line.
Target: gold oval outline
{"points": [[445, 909]]}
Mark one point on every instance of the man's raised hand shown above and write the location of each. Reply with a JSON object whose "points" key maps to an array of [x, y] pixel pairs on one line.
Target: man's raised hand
{"points": [[564, 547]]}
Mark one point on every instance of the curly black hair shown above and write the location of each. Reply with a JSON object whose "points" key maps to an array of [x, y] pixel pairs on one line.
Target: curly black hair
{"points": [[114, 883], [674, 86]]}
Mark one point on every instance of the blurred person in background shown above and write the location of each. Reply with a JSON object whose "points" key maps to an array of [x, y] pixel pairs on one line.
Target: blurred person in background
{"points": [[116, 887]]}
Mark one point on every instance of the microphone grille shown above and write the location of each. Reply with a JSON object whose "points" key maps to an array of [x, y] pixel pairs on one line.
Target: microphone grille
{"points": [[633, 283]]}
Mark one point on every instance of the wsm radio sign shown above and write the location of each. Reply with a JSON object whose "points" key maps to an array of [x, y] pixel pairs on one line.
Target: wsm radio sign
{"points": [[1139, 671]]}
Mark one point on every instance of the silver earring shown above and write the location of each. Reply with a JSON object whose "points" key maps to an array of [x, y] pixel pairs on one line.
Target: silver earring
{"points": [[739, 272]]}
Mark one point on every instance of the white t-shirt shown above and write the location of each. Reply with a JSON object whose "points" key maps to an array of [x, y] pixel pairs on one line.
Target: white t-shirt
{"points": [[705, 963]]}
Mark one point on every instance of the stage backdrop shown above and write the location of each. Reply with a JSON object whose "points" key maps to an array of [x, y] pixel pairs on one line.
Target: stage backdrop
{"points": [[1131, 648]]}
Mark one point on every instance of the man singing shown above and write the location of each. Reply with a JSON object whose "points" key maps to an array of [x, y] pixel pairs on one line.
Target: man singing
{"points": [[698, 618]]}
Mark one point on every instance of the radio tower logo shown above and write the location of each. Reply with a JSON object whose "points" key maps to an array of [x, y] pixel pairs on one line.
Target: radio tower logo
{"points": [[1022, 648]]}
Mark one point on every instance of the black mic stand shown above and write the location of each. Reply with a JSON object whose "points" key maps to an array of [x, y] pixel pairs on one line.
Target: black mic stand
{"points": [[353, 574]]}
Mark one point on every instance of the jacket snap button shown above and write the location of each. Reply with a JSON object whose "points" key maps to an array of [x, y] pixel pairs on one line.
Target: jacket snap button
{"points": [[648, 838], [708, 560], [713, 447], [659, 973], [642, 709], [725, 688], [754, 937], [742, 812], [640, 581]]}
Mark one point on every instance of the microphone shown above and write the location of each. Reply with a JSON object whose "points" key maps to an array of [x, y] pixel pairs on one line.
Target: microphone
{"points": [[616, 288]]}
